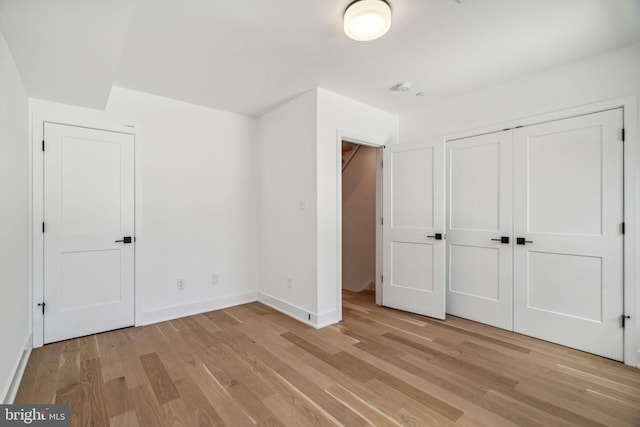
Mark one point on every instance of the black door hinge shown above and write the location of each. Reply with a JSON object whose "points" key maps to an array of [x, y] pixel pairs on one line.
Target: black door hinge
{"points": [[381, 221], [624, 319], [43, 145], [43, 226], [42, 304], [623, 135], [622, 228], [381, 278]]}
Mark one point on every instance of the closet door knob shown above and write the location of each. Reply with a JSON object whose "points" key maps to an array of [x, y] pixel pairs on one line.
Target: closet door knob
{"points": [[437, 236], [502, 239], [522, 241]]}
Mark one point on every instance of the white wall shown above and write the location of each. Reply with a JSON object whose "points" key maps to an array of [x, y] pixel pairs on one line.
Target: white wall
{"points": [[610, 75], [197, 200], [339, 117], [287, 176], [359, 220], [614, 74], [300, 145], [14, 219]]}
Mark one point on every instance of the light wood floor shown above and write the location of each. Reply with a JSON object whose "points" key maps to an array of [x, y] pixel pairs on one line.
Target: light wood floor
{"points": [[250, 365]]}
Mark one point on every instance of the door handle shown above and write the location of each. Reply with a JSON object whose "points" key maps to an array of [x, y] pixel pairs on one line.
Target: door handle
{"points": [[125, 239], [502, 239], [522, 241], [437, 236]]}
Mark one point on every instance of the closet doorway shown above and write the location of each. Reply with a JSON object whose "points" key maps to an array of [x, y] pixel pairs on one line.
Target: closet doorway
{"points": [[535, 236], [361, 217]]}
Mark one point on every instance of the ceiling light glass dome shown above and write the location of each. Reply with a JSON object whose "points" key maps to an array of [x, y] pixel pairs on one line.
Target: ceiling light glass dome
{"points": [[366, 20]]}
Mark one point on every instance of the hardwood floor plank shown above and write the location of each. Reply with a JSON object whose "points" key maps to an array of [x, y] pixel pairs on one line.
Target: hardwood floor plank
{"points": [[206, 323], [147, 409], [176, 413], [361, 407], [47, 371], [309, 388], [161, 383], [470, 369], [132, 369], [224, 404], [590, 410], [91, 377], [128, 419], [111, 364], [250, 366], [287, 393], [221, 318], [76, 396], [69, 369], [600, 380], [252, 405], [204, 414], [392, 401], [277, 348], [117, 400], [362, 371], [487, 339], [173, 352], [281, 408], [88, 347]]}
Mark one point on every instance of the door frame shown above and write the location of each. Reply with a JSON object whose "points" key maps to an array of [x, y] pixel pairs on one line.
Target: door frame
{"points": [[379, 146], [631, 276], [38, 121]]}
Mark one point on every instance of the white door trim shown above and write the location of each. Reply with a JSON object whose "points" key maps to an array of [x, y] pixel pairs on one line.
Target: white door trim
{"points": [[629, 105], [378, 144], [37, 207]]}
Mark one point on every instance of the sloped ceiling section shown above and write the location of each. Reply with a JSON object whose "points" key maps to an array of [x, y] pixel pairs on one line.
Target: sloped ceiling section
{"points": [[67, 50], [248, 56]]}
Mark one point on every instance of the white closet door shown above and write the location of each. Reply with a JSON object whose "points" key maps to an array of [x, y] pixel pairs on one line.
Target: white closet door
{"points": [[479, 200], [568, 205], [88, 207], [414, 257]]}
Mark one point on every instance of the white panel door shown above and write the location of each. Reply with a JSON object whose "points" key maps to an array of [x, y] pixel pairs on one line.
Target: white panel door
{"points": [[479, 202], [568, 206], [414, 257], [88, 207]]}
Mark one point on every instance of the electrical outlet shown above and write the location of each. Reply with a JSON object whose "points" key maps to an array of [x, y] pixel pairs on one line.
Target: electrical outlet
{"points": [[215, 279], [289, 283], [180, 284]]}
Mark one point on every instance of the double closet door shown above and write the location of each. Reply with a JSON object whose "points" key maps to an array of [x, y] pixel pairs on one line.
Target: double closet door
{"points": [[534, 238]]}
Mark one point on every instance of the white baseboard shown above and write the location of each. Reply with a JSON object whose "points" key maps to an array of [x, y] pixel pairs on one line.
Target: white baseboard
{"points": [[329, 318], [184, 310], [18, 372], [290, 310], [369, 285]]}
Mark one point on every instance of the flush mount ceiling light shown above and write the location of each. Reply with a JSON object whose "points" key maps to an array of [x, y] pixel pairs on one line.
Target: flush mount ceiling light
{"points": [[366, 20]]}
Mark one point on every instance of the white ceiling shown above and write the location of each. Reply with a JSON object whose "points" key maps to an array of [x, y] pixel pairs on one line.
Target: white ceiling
{"points": [[248, 56]]}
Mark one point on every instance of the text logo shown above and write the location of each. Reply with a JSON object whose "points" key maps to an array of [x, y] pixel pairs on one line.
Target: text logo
{"points": [[34, 415]]}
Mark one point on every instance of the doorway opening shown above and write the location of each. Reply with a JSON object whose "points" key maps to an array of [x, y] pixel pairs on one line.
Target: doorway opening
{"points": [[361, 219]]}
